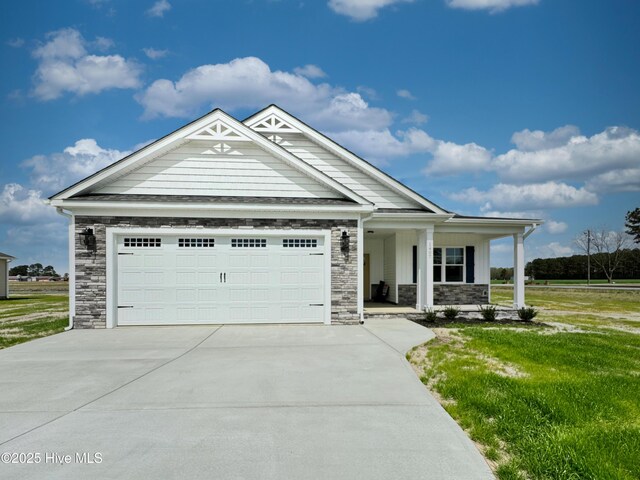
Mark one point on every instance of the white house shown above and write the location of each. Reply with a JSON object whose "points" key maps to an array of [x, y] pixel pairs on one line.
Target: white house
{"points": [[264, 220], [4, 275]]}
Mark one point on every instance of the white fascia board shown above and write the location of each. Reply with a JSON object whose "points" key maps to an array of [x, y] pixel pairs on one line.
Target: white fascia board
{"points": [[205, 211], [491, 230], [179, 136], [522, 222], [346, 155]]}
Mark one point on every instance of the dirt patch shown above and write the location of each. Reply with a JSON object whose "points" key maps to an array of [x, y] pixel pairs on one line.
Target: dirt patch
{"points": [[33, 316], [558, 327]]}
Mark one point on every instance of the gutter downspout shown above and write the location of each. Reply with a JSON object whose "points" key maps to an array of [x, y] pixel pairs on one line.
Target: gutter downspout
{"points": [[72, 267], [530, 231], [360, 289]]}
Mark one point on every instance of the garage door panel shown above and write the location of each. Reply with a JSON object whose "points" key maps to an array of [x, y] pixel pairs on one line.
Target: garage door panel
{"points": [[155, 260], [175, 280], [205, 295]]}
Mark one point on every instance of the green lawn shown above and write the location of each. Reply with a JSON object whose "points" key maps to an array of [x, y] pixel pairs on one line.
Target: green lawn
{"points": [[578, 300], [569, 282], [25, 317], [559, 399]]}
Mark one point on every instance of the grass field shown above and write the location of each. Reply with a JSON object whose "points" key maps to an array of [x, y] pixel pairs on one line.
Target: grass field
{"points": [[34, 310], [570, 282], [558, 398]]}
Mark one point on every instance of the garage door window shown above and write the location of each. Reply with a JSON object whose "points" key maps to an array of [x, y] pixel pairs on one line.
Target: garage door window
{"points": [[299, 243], [196, 242], [248, 242], [142, 242]]}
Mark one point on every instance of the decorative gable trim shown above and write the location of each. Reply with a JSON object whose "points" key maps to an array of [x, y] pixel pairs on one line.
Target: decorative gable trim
{"points": [[285, 117], [274, 124], [178, 137], [218, 131]]}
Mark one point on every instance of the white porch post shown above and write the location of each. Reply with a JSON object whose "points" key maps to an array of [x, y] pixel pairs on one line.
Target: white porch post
{"points": [[518, 270], [360, 254], [424, 288]]}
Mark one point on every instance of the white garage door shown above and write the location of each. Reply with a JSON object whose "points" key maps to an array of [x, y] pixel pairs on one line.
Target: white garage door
{"points": [[190, 279]]}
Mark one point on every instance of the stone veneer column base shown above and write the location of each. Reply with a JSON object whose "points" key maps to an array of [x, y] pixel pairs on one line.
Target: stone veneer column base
{"points": [[461, 294]]}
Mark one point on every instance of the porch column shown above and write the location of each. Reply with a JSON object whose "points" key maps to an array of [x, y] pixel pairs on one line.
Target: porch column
{"points": [[360, 253], [424, 289], [518, 270]]}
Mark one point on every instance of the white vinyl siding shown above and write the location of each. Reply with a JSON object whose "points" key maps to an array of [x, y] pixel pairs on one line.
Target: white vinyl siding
{"points": [[375, 248], [242, 170], [343, 172], [405, 240], [390, 267]]}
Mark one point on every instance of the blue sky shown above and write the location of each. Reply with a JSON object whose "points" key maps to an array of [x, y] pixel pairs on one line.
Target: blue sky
{"points": [[487, 107]]}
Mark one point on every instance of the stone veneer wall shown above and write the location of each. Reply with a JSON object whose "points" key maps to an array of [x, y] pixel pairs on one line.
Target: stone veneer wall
{"points": [[452, 294], [461, 294], [91, 276], [407, 294]]}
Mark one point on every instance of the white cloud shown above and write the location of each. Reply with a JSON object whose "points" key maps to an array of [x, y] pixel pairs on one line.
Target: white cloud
{"points": [[486, 211], [552, 250], [22, 205], [15, 42], [492, 5], [403, 93], [65, 66], [378, 146], [250, 83], [367, 92], [159, 8], [102, 43], [554, 227], [361, 10], [310, 71], [563, 154], [53, 172], [540, 195], [416, 117], [451, 158], [625, 180], [532, 141], [155, 54]]}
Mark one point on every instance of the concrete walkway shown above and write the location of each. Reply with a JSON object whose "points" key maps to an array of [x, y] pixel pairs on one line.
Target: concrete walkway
{"points": [[232, 402]]}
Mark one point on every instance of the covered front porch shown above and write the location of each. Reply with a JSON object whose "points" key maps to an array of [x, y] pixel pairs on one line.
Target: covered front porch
{"points": [[435, 264]]}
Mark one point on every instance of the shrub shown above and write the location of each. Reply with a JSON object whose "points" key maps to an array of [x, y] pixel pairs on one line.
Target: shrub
{"points": [[488, 313], [430, 315], [527, 313], [450, 313]]}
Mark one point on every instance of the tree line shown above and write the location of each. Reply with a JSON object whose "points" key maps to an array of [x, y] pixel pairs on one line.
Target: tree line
{"points": [[575, 267], [33, 270]]}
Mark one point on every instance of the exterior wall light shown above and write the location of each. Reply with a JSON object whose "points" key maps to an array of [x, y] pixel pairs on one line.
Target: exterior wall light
{"points": [[344, 242], [88, 239]]}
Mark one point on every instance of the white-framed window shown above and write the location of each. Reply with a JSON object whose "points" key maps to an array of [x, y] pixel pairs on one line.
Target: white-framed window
{"points": [[299, 242], [196, 242], [248, 242], [142, 242], [449, 265]]}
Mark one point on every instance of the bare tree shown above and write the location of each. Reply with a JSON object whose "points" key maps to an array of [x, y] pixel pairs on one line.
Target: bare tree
{"points": [[604, 249]]}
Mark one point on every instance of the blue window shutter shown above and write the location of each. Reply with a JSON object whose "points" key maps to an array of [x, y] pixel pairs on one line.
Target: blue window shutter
{"points": [[471, 260]]}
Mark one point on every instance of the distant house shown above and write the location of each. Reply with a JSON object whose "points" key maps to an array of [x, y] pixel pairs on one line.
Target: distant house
{"points": [[4, 274]]}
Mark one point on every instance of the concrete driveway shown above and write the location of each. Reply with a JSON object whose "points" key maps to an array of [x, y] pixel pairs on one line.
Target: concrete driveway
{"points": [[231, 402]]}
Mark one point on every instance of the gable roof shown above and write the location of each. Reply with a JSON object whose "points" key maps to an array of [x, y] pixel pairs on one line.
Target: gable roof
{"points": [[4, 256], [216, 126], [274, 119]]}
